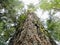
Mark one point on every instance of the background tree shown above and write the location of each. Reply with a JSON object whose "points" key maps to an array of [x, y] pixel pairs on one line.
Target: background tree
{"points": [[53, 22], [8, 18]]}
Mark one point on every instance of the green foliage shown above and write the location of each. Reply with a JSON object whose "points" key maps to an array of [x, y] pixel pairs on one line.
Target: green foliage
{"points": [[57, 30], [53, 26], [48, 5], [8, 17], [11, 8], [21, 20], [54, 29], [8, 33], [1, 27], [31, 8]]}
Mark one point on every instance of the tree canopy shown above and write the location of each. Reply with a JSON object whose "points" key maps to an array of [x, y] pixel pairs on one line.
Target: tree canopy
{"points": [[10, 11]]}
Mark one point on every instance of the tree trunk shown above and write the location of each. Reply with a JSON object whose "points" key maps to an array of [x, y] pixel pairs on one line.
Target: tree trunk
{"points": [[31, 32]]}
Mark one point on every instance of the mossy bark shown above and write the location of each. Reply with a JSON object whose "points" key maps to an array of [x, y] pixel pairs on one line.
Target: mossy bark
{"points": [[31, 33]]}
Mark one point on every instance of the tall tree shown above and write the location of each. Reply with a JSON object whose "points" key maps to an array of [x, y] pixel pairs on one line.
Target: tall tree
{"points": [[31, 32], [25, 26]]}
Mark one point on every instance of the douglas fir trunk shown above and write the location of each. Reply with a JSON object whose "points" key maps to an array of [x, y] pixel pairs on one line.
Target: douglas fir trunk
{"points": [[30, 31]]}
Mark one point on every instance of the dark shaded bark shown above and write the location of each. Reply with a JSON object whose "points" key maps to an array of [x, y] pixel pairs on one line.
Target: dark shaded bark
{"points": [[31, 33]]}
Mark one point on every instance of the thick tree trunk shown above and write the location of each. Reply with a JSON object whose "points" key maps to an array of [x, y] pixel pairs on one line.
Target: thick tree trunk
{"points": [[31, 33]]}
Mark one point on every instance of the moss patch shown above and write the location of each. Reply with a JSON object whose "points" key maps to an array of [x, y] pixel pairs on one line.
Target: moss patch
{"points": [[21, 20]]}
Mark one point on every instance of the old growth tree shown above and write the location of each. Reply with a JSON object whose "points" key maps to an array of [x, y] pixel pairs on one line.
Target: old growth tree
{"points": [[28, 31]]}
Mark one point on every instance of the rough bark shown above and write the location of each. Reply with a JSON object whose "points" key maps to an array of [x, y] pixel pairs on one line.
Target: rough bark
{"points": [[31, 33]]}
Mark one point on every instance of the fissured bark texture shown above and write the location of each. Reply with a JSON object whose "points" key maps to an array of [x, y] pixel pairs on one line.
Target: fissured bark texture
{"points": [[31, 33]]}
